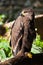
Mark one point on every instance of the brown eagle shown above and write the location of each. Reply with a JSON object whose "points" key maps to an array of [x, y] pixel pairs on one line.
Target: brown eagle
{"points": [[23, 32]]}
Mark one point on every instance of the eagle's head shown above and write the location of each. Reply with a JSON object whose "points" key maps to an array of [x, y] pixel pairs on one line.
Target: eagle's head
{"points": [[28, 12]]}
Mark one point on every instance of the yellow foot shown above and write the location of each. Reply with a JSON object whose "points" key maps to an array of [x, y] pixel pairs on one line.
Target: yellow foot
{"points": [[28, 54]]}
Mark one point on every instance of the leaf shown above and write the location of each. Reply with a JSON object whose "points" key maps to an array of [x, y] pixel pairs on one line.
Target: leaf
{"points": [[2, 54], [35, 49], [38, 42], [4, 44]]}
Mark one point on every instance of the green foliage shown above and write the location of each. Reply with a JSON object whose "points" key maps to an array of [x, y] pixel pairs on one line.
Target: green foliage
{"points": [[3, 18], [5, 50], [38, 41], [2, 54], [36, 49], [37, 46]]}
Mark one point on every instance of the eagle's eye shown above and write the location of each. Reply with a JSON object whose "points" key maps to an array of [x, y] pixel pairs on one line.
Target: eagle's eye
{"points": [[25, 11]]}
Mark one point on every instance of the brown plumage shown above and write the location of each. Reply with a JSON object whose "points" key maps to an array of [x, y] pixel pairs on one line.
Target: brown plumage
{"points": [[23, 32]]}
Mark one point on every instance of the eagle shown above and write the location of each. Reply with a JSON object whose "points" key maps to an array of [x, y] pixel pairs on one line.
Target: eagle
{"points": [[23, 32]]}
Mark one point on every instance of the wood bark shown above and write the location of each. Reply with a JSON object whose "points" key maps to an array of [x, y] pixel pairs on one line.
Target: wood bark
{"points": [[37, 59]]}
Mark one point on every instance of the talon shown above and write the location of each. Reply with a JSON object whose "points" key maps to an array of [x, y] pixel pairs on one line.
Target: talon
{"points": [[28, 54]]}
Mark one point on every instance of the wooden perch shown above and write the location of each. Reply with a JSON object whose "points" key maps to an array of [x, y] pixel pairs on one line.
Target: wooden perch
{"points": [[37, 59], [9, 25], [38, 16]]}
